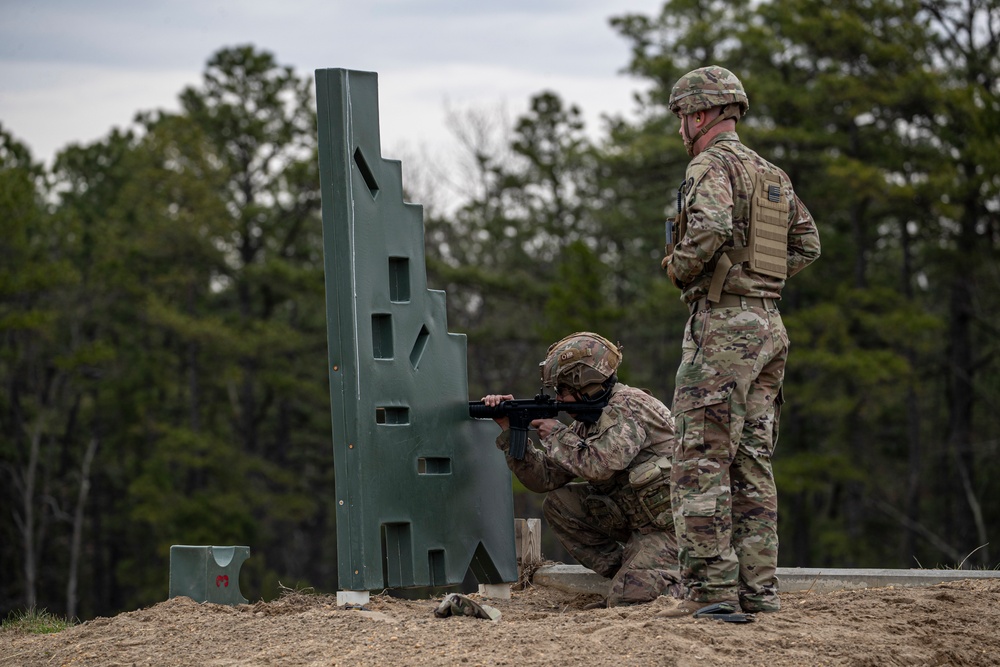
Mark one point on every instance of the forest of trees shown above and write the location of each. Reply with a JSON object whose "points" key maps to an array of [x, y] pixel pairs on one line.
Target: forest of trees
{"points": [[163, 334]]}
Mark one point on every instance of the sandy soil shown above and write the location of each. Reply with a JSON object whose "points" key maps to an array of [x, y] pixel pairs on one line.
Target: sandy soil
{"points": [[948, 624]]}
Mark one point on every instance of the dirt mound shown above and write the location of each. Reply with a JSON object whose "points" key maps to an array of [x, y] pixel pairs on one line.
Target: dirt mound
{"points": [[947, 624]]}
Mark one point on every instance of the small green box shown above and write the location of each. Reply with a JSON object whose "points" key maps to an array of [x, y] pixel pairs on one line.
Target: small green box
{"points": [[207, 573]]}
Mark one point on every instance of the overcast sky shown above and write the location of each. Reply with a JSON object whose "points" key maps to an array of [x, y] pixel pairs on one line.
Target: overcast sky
{"points": [[70, 70]]}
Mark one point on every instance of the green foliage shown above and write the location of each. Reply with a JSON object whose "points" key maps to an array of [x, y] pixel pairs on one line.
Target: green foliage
{"points": [[169, 315], [578, 299], [34, 622]]}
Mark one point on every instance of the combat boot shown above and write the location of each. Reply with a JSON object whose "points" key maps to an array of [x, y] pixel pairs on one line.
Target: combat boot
{"points": [[754, 606], [766, 600]]}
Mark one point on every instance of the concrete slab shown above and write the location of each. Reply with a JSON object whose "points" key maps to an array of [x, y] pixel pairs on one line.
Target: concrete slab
{"points": [[358, 597], [578, 579], [836, 579], [571, 578], [495, 591]]}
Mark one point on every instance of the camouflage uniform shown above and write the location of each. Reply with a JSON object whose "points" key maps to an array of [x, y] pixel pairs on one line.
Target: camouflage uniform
{"points": [[728, 390], [620, 529]]}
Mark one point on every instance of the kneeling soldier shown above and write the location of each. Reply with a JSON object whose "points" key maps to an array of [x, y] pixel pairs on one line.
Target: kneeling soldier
{"points": [[618, 522]]}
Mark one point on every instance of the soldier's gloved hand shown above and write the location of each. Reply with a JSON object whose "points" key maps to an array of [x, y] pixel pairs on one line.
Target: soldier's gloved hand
{"points": [[545, 426], [665, 263]]}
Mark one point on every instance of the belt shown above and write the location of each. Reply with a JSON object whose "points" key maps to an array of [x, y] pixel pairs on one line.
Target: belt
{"points": [[734, 301]]}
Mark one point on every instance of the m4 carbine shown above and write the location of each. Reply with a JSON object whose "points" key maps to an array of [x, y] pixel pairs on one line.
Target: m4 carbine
{"points": [[521, 412]]}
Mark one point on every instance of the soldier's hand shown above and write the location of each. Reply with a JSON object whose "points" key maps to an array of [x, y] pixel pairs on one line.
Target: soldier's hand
{"points": [[493, 400], [670, 272], [545, 426]]}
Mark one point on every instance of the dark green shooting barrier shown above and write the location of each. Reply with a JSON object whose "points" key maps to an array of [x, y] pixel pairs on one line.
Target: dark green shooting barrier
{"points": [[422, 494]]}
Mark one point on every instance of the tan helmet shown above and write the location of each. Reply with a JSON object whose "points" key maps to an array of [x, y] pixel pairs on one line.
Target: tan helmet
{"points": [[707, 87], [582, 361]]}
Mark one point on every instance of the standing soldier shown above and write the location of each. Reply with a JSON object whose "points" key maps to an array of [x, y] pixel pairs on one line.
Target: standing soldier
{"points": [[739, 233], [618, 520]]}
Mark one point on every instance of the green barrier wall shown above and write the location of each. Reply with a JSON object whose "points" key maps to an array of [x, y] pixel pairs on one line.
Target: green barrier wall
{"points": [[422, 494]]}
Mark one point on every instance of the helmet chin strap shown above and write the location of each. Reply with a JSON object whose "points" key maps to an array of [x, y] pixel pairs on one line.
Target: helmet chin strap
{"points": [[728, 111], [688, 141]]}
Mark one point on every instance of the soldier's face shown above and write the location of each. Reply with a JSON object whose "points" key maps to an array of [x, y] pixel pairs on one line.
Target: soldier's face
{"points": [[687, 131], [565, 394]]}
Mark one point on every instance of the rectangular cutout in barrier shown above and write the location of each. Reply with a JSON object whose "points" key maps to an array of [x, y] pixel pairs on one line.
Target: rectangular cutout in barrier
{"points": [[382, 336], [434, 466], [399, 279], [397, 554], [435, 564], [392, 416]]}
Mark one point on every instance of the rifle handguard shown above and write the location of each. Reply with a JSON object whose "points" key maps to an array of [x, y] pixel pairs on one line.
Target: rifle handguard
{"points": [[521, 412]]}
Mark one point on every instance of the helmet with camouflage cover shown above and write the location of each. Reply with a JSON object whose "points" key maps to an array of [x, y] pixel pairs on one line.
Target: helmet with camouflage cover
{"points": [[707, 87], [582, 361]]}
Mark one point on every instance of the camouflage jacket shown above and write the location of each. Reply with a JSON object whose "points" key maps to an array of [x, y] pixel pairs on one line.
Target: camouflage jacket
{"points": [[634, 428], [716, 194]]}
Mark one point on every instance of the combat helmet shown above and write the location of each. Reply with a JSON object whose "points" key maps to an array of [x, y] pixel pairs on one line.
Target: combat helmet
{"points": [[583, 361], [707, 87]]}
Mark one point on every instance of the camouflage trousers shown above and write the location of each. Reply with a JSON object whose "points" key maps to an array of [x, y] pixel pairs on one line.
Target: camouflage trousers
{"points": [[726, 408], [641, 566]]}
